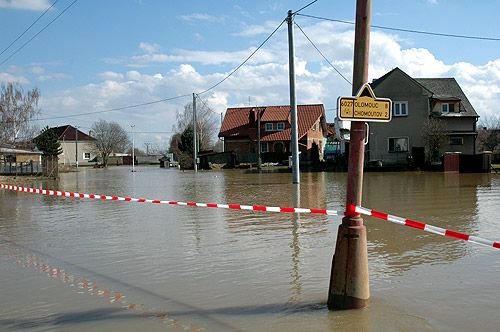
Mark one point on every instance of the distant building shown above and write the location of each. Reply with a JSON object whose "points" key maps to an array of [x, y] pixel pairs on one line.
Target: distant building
{"points": [[240, 131], [76, 146], [414, 101]]}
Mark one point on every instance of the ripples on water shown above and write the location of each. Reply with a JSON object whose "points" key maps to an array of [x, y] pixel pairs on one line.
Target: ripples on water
{"points": [[243, 270]]}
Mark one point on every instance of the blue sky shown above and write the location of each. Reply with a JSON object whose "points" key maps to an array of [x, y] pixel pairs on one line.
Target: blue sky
{"points": [[101, 55]]}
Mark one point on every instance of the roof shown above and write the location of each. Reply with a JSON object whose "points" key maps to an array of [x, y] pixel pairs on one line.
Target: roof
{"points": [[438, 88], [18, 151], [68, 133], [448, 89], [242, 121]]}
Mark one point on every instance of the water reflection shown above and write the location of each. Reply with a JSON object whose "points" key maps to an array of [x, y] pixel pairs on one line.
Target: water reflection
{"points": [[445, 200]]}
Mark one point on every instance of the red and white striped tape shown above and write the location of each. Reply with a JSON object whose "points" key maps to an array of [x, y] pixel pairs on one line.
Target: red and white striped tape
{"points": [[157, 201], [424, 227], [351, 209]]}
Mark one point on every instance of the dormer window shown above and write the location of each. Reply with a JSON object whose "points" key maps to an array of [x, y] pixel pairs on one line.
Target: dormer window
{"points": [[280, 126], [448, 107], [269, 127]]}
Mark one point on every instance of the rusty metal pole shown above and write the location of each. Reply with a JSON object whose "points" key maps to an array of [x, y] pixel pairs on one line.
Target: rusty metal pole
{"points": [[349, 281]]}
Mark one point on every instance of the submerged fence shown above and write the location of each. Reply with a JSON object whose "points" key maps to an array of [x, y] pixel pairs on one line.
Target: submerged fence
{"points": [[26, 168]]}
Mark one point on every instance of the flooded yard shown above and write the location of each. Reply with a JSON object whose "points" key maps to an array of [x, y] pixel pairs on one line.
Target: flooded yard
{"points": [[92, 265]]}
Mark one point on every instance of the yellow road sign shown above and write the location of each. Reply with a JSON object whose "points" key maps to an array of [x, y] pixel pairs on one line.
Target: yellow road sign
{"points": [[364, 107]]}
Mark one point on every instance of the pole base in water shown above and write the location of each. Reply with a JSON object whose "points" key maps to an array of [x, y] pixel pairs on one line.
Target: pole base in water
{"points": [[349, 282]]}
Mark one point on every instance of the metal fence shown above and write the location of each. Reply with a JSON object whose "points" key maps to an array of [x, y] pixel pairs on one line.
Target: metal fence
{"points": [[27, 168]]}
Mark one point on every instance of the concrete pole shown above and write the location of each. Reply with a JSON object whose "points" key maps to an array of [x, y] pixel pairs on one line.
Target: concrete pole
{"points": [[259, 149], [349, 281], [195, 143], [133, 148], [293, 102], [76, 147]]}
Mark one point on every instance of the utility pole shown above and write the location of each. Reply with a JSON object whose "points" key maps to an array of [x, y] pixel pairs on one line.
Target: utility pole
{"points": [[76, 146], [133, 148], [293, 102], [195, 143], [259, 149], [349, 281]]}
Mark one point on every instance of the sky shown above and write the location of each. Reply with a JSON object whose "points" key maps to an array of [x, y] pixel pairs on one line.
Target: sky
{"points": [[101, 55]]}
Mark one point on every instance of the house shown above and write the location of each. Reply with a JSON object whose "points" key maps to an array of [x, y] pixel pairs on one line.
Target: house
{"points": [[240, 130], [415, 101], [76, 145], [15, 160]]}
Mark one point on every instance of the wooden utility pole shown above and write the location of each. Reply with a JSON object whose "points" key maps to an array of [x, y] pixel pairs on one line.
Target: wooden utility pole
{"points": [[349, 281], [293, 102]]}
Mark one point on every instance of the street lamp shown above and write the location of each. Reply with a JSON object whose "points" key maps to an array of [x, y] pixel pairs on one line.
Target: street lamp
{"points": [[133, 148]]}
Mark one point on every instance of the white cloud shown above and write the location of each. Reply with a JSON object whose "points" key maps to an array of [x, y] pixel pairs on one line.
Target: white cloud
{"points": [[149, 48], [6, 77], [264, 78], [196, 17], [37, 5], [52, 77], [111, 75]]}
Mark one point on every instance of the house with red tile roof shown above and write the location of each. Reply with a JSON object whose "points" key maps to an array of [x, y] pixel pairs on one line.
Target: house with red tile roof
{"points": [[240, 130]]}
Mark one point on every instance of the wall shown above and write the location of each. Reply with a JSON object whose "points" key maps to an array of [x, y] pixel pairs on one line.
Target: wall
{"points": [[69, 148], [399, 87]]}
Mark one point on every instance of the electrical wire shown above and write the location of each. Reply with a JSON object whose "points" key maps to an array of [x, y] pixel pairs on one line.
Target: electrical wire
{"points": [[406, 30], [39, 32], [245, 61], [27, 29], [301, 9], [113, 109], [321, 53]]}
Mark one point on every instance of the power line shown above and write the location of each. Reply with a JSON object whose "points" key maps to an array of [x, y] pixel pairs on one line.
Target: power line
{"points": [[39, 32], [317, 49], [310, 3], [114, 109], [406, 30], [32, 24], [245, 61]]}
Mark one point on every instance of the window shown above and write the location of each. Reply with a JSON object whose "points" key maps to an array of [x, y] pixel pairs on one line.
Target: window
{"points": [[448, 108], [269, 127], [456, 140], [280, 126], [86, 155], [398, 144], [263, 147], [400, 108]]}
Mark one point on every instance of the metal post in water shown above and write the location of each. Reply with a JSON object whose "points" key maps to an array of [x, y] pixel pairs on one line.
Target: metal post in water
{"points": [[293, 102], [349, 281]]}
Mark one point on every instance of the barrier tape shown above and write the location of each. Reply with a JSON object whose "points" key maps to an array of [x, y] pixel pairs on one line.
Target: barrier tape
{"points": [[157, 201], [424, 227], [351, 210]]}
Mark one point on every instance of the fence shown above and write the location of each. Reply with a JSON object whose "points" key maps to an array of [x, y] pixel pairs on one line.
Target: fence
{"points": [[27, 168]]}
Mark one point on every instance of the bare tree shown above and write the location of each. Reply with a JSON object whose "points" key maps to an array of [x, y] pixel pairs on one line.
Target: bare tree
{"points": [[434, 136], [110, 137], [17, 108], [207, 123], [488, 134]]}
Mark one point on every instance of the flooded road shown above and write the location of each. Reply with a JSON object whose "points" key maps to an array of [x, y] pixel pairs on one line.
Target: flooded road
{"points": [[91, 265]]}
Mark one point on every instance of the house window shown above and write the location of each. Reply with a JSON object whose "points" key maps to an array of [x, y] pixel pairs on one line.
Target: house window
{"points": [[280, 126], [269, 127], [400, 108], [86, 155], [398, 144], [263, 147], [446, 108], [456, 140]]}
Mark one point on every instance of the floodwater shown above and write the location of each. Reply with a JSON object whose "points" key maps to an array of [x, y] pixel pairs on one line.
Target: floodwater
{"points": [[71, 264]]}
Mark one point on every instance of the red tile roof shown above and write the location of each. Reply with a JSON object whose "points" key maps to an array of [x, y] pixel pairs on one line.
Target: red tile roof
{"points": [[242, 121]]}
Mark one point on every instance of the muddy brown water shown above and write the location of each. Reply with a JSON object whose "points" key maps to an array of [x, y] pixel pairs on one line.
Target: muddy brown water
{"points": [[71, 264]]}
